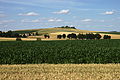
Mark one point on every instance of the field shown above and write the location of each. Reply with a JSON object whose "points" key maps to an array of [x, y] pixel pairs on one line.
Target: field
{"points": [[60, 52], [60, 72], [60, 60], [116, 33], [51, 30]]}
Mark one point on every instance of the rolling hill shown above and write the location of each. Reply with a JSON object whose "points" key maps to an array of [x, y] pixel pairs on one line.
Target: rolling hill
{"points": [[52, 30]]}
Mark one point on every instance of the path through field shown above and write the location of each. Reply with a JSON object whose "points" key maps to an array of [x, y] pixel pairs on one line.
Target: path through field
{"points": [[60, 72]]}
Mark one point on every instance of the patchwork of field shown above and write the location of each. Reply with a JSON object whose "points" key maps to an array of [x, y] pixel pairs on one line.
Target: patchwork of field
{"points": [[60, 72], [53, 36], [53, 32]]}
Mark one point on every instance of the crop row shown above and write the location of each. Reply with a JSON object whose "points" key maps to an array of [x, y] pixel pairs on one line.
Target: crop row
{"points": [[60, 52]]}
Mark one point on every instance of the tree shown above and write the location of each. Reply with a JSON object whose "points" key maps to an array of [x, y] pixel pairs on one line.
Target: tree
{"points": [[16, 35], [73, 27], [80, 36], [29, 34], [48, 36], [18, 39], [98, 36], [24, 36], [37, 33], [106, 37], [70, 36], [0, 33], [64, 36], [9, 33], [59, 36]]}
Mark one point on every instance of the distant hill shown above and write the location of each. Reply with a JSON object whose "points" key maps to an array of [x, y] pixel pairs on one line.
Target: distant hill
{"points": [[52, 30], [116, 33]]}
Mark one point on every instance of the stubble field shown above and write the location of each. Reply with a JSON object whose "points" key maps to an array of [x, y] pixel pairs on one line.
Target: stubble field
{"points": [[60, 72]]}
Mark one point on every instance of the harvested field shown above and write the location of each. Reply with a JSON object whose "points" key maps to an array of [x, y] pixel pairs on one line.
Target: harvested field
{"points": [[60, 72], [53, 36]]}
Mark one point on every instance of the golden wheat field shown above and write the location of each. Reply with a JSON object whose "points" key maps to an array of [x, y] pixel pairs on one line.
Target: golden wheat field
{"points": [[60, 72]]}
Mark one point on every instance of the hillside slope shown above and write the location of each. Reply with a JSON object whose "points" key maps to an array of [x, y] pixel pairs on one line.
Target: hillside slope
{"points": [[52, 30]]}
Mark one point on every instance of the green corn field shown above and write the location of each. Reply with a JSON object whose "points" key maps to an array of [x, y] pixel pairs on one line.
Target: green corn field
{"points": [[60, 52]]}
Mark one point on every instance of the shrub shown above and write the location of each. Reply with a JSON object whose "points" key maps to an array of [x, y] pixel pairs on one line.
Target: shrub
{"points": [[18, 39], [38, 39]]}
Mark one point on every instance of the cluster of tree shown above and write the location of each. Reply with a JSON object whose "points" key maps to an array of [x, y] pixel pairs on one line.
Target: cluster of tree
{"points": [[46, 36], [33, 34], [106, 37], [67, 27], [83, 36], [61, 36], [11, 34], [14, 34]]}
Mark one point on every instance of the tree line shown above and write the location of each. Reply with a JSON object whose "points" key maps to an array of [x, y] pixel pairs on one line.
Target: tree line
{"points": [[83, 36], [15, 34], [66, 27], [64, 36]]}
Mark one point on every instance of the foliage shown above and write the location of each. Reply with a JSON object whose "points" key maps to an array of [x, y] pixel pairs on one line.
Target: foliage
{"points": [[107, 37], [18, 39], [67, 27], [81, 36], [11, 34], [38, 39], [55, 52], [46, 36]]}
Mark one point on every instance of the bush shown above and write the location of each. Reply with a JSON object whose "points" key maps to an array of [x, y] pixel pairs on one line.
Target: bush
{"points": [[38, 39], [18, 39]]}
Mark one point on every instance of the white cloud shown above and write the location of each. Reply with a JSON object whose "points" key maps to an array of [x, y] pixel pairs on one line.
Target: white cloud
{"points": [[62, 12], [6, 21], [102, 20], [30, 21], [59, 20], [109, 12], [51, 20], [29, 14], [55, 20], [86, 20]]}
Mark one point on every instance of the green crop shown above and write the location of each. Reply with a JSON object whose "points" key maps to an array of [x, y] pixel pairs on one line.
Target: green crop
{"points": [[60, 52]]}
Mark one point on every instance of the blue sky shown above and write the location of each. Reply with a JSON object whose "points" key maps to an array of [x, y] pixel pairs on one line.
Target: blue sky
{"points": [[94, 15]]}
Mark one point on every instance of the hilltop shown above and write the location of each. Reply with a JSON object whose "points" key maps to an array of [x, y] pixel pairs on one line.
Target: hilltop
{"points": [[52, 30]]}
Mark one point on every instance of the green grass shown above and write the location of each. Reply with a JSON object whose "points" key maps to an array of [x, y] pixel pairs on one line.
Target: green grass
{"points": [[50, 30], [117, 33], [69, 51], [25, 31]]}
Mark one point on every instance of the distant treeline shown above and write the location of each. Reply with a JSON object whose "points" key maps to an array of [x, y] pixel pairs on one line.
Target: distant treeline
{"points": [[14, 34], [83, 36], [66, 27]]}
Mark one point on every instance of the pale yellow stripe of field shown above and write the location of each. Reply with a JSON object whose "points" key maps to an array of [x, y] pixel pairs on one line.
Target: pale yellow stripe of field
{"points": [[60, 72]]}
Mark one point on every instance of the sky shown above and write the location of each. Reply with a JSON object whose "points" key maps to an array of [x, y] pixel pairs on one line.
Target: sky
{"points": [[93, 15]]}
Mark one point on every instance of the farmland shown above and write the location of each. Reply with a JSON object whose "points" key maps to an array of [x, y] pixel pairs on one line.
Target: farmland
{"points": [[60, 52], [60, 72]]}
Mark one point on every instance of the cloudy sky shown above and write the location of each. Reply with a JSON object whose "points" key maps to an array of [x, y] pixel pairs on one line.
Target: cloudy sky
{"points": [[95, 15]]}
